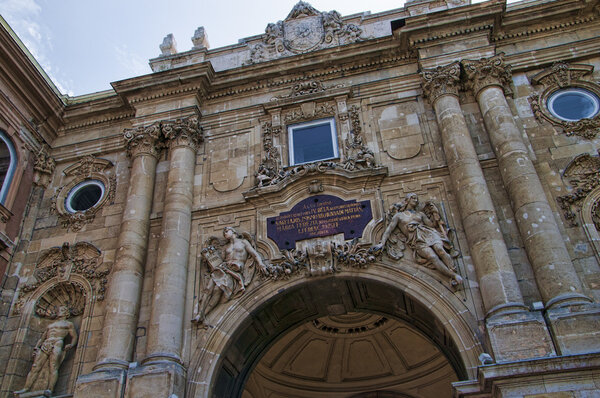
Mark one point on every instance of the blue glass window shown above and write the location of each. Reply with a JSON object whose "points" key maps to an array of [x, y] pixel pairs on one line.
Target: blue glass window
{"points": [[573, 104], [312, 141]]}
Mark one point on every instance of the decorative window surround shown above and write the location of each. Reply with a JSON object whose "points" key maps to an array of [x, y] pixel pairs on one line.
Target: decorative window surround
{"points": [[562, 76]]}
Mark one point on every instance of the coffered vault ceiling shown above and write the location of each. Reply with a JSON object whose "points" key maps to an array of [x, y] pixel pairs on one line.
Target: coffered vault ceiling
{"points": [[342, 355]]}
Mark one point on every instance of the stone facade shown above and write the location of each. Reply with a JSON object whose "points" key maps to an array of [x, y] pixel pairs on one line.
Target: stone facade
{"points": [[397, 204]]}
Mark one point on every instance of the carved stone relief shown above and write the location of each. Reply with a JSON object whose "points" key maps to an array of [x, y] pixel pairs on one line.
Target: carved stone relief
{"points": [[87, 168], [43, 167], [563, 75], [61, 263], [228, 266], [583, 173], [305, 29], [424, 232]]}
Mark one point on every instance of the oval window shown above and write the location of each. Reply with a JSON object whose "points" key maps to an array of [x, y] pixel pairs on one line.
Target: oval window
{"points": [[573, 104], [84, 196]]}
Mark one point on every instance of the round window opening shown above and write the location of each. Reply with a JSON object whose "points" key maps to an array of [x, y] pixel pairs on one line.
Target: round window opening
{"points": [[573, 104], [84, 196]]}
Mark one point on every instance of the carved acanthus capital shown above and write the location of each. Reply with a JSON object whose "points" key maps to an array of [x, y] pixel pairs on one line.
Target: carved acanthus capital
{"points": [[43, 167], [487, 72], [183, 132], [143, 140], [443, 80]]}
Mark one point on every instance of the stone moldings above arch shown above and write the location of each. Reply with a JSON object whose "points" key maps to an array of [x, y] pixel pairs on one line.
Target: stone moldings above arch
{"points": [[86, 169], [563, 75], [65, 264]]}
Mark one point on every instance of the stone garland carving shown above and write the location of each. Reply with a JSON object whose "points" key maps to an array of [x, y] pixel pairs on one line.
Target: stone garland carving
{"points": [[584, 176], [321, 257], [82, 259], [305, 29], [424, 231], [562, 75], [441, 81], [485, 72], [59, 337], [358, 155]]}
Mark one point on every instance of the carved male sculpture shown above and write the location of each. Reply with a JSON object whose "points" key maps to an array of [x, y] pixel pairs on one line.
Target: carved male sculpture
{"points": [[230, 271], [419, 233], [50, 350]]}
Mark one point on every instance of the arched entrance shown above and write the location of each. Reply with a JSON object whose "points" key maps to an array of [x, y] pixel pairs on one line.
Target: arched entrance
{"points": [[386, 298]]}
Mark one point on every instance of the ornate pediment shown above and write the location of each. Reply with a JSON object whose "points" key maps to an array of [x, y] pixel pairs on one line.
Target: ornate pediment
{"points": [[304, 30]]}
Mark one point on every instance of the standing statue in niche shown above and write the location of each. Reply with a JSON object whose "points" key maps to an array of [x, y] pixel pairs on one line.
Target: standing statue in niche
{"points": [[424, 232], [230, 267], [50, 351]]}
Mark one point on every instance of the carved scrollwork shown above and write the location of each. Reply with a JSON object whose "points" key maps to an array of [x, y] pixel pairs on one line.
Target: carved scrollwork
{"points": [[583, 173], [61, 263], [562, 75], [144, 140], [305, 29]]}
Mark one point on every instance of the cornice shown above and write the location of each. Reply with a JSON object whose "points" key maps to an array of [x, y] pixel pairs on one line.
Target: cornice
{"points": [[27, 79], [501, 36], [321, 68], [187, 79]]}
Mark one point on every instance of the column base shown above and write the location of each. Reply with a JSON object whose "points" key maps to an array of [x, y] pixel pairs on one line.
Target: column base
{"points": [[103, 383], [166, 379], [576, 328], [518, 336], [556, 377]]}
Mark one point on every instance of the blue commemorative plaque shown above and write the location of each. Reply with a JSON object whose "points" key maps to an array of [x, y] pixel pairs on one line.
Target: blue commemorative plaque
{"points": [[319, 215]]}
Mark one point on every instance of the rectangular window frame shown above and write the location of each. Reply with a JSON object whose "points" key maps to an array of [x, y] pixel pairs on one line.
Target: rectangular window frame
{"points": [[332, 130]]}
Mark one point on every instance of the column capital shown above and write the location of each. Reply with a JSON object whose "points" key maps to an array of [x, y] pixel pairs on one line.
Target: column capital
{"points": [[143, 140], [183, 132], [487, 72], [442, 80]]}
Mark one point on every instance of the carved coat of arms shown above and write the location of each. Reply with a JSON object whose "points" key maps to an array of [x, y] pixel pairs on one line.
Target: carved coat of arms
{"points": [[305, 29]]}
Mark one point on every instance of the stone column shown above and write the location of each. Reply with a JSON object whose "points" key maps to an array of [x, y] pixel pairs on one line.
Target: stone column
{"points": [[556, 278], [123, 296], [497, 281], [165, 332], [572, 318]]}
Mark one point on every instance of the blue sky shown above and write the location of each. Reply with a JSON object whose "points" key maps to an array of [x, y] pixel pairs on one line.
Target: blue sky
{"points": [[83, 45]]}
